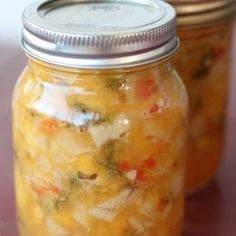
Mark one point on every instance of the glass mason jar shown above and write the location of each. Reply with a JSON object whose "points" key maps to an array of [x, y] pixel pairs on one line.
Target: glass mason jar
{"points": [[99, 121], [203, 61]]}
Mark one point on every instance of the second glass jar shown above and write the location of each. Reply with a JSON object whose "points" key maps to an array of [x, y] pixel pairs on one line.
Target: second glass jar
{"points": [[203, 61]]}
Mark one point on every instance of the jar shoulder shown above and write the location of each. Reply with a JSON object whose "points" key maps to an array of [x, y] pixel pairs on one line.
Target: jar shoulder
{"points": [[99, 95]]}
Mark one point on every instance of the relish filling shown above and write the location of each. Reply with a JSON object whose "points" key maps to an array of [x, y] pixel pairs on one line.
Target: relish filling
{"points": [[96, 153], [203, 63]]}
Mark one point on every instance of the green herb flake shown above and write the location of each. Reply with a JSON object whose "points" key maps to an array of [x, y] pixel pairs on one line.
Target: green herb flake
{"points": [[115, 83], [108, 154], [81, 107], [32, 113], [205, 66]]}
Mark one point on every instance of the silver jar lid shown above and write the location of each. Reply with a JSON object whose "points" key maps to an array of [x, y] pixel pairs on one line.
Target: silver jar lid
{"points": [[99, 34], [200, 12]]}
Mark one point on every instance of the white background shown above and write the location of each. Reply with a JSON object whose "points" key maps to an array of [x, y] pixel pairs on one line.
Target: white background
{"points": [[10, 20]]}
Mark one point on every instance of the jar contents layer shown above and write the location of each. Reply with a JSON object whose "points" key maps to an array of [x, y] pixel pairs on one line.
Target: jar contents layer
{"points": [[203, 62], [99, 152]]}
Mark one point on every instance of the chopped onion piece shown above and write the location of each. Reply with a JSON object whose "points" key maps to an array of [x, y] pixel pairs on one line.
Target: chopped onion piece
{"points": [[107, 131], [55, 229], [53, 104], [80, 215], [131, 175], [147, 210], [104, 214], [136, 225], [108, 210], [73, 143]]}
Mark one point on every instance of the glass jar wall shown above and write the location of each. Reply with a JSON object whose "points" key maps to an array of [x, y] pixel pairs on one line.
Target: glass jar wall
{"points": [[99, 121], [100, 151], [203, 62]]}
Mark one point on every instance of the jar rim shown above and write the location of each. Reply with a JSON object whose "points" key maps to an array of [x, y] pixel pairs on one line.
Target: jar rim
{"points": [[124, 69], [199, 12]]}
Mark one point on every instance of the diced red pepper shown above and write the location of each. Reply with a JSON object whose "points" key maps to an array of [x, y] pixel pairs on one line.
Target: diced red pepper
{"points": [[41, 190], [124, 166], [140, 174], [49, 126], [146, 88], [219, 53], [150, 163], [154, 108], [162, 204]]}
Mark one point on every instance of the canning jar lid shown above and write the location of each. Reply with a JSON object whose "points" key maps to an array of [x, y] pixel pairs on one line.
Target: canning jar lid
{"points": [[100, 33], [195, 12]]}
